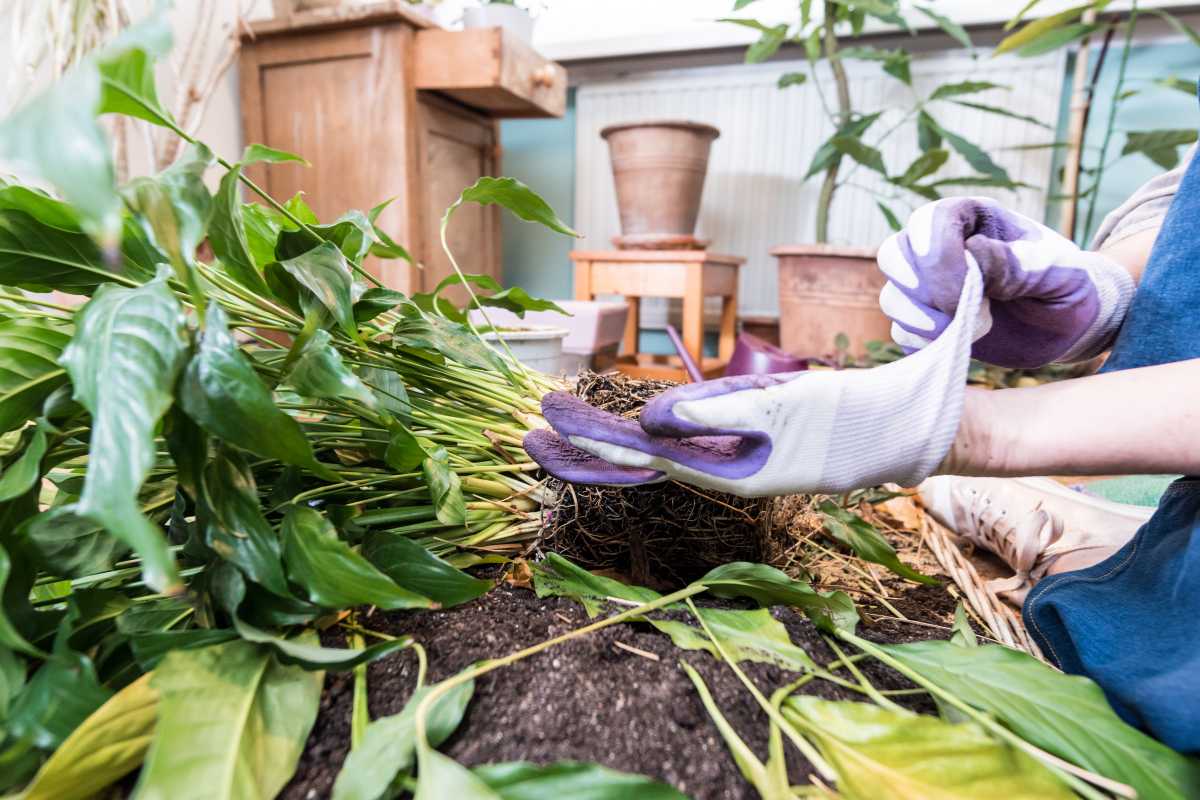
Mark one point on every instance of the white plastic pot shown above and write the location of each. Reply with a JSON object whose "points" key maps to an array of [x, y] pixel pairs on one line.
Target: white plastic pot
{"points": [[537, 347], [595, 330], [501, 15]]}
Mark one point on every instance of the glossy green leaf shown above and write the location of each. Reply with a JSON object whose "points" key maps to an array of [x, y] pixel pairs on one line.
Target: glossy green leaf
{"points": [[892, 220], [450, 339], [323, 271], [1037, 28], [1066, 715], [767, 586], [234, 525], [518, 301], [1161, 146], [973, 155], [768, 44], [353, 233], [175, 206], [106, 747], [68, 544], [516, 197], [556, 576], [10, 635], [389, 390], [929, 135], [964, 634], [23, 472], [221, 391], [404, 451], [149, 649], [744, 635], [332, 574], [263, 228], [227, 233], [440, 777], [261, 154], [375, 301], [129, 346], [947, 90], [56, 137], [48, 210], [1052, 40], [881, 752], [229, 592], [127, 71], [38, 257], [924, 165], [29, 370], [1188, 87], [445, 487], [828, 153], [851, 530], [520, 780], [956, 31], [791, 79], [232, 723], [317, 370], [388, 749], [897, 63], [413, 567]]}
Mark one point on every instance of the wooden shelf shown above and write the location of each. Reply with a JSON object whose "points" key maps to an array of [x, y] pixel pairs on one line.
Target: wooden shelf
{"points": [[492, 70]]}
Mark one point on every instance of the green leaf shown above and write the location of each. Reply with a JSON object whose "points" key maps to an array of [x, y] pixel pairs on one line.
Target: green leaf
{"points": [[10, 635], [388, 749], [1188, 87], [413, 567], [791, 79], [323, 271], [1052, 40], [829, 611], [175, 207], [300, 210], [929, 135], [42, 207], [23, 472], [445, 488], [232, 723], [892, 220], [262, 227], [70, 545], [375, 301], [879, 752], [860, 536], [1161, 147], [1004, 112], [973, 155], [229, 237], [38, 257], [964, 634], [744, 635], [767, 45], [332, 574], [318, 371], [747, 762], [1066, 715], [106, 747], [956, 31], [222, 393], [520, 780], [29, 370], [518, 301], [828, 153], [260, 153], [149, 649], [404, 451], [896, 63], [229, 591], [556, 576], [1037, 28], [234, 525], [925, 164], [740, 4], [516, 197], [55, 137], [127, 71], [441, 777], [353, 233], [964, 87], [1179, 27], [129, 346], [452, 340]]}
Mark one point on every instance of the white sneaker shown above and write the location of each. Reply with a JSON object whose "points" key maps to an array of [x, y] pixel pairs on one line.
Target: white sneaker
{"points": [[1037, 525]]}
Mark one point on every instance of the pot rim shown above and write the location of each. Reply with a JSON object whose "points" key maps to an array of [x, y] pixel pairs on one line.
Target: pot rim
{"points": [[697, 127]]}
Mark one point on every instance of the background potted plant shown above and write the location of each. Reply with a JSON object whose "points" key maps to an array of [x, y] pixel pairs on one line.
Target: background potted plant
{"points": [[826, 288], [503, 14]]}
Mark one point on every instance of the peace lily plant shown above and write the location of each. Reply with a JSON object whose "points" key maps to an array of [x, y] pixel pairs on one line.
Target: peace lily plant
{"points": [[186, 502]]}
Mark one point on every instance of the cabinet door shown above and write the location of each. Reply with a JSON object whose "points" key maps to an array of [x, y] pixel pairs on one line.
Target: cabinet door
{"points": [[457, 147]]}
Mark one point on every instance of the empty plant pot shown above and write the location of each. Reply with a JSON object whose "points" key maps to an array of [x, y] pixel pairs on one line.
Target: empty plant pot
{"points": [[658, 171], [755, 356]]}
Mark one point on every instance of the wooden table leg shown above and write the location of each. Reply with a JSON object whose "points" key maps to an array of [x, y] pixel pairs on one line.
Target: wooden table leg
{"points": [[633, 324], [583, 280], [693, 312], [728, 327]]}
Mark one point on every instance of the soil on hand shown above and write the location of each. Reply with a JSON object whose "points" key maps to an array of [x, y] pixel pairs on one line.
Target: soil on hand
{"points": [[617, 697]]}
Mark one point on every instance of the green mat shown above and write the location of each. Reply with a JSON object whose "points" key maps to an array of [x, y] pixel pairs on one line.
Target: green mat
{"points": [[1137, 490]]}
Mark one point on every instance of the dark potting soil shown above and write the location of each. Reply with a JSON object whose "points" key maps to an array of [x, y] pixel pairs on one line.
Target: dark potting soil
{"points": [[587, 699]]}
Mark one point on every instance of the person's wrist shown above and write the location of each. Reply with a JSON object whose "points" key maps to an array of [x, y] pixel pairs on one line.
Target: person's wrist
{"points": [[984, 443]]}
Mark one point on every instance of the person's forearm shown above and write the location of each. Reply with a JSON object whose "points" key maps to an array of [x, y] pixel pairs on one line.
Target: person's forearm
{"points": [[1132, 252], [1139, 421]]}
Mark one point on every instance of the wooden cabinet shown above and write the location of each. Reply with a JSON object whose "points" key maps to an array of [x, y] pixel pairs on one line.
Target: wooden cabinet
{"points": [[341, 88]]}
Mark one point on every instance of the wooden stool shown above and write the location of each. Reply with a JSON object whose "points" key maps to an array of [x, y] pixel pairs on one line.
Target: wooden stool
{"points": [[689, 274]]}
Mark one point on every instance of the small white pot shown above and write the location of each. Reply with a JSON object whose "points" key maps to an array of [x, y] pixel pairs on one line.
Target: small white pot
{"points": [[536, 347], [515, 20]]}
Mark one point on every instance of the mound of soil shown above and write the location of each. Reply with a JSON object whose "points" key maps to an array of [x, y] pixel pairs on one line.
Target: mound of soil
{"points": [[589, 699]]}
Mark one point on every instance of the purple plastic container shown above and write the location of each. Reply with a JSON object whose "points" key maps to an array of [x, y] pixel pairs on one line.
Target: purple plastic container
{"points": [[755, 356]]}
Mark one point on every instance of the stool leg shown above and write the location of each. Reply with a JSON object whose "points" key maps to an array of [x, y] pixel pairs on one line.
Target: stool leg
{"points": [[728, 328], [632, 325], [583, 280], [693, 312]]}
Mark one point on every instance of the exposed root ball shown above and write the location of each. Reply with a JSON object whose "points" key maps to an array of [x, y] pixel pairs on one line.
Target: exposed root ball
{"points": [[661, 535]]}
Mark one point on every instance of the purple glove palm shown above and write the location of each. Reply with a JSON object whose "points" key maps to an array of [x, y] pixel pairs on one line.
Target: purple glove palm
{"points": [[1046, 299]]}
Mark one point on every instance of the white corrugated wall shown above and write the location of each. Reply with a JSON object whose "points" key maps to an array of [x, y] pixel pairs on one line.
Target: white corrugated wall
{"points": [[756, 198]]}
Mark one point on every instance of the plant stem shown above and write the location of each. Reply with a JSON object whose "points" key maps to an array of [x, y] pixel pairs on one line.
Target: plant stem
{"points": [[1131, 27], [829, 185]]}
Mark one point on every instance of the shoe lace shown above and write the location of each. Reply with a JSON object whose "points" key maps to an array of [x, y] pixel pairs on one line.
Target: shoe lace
{"points": [[1025, 544]]}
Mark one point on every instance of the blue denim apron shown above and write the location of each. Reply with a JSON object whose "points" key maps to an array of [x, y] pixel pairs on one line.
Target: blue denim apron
{"points": [[1132, 622]]}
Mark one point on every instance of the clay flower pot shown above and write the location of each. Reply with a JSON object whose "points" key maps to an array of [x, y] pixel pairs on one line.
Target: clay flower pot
{"points": [[825, 290], [658, 169]]}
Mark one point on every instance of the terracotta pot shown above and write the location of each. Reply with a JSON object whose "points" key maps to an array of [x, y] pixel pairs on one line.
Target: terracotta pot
{"points": [[658, 170], [825, 290]]}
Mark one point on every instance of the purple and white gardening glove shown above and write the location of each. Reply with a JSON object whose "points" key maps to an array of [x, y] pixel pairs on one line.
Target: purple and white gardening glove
{"points": [[759, 435], [1045, 299]]}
